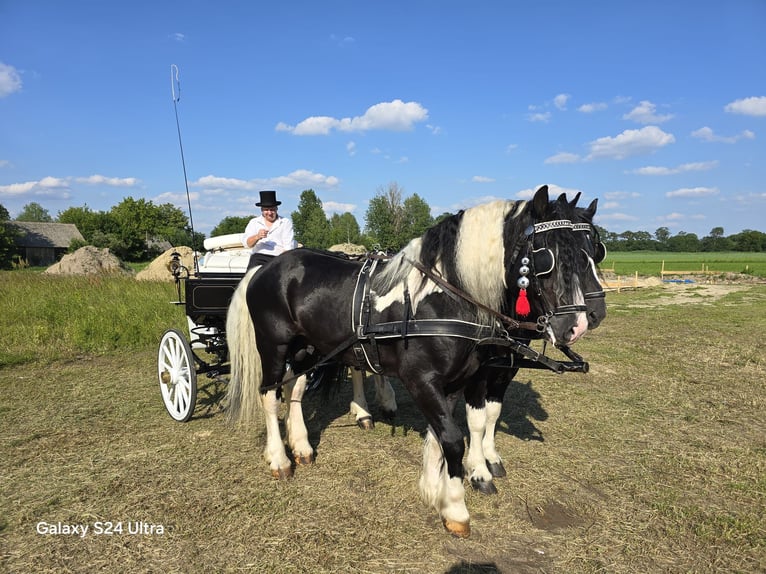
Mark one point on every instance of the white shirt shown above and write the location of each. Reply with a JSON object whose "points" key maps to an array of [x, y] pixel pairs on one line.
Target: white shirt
{"points": [[281, 236]]}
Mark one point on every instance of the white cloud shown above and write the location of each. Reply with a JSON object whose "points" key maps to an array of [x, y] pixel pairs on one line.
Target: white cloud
{"points": [[593, 107], [300, 178], [10, 80], [482, 179], [177, 198], [510, 148], [706, 134], [617, 216], [47, 186], [692, 192], [111, 181], [178, 37], [336, 207], [645, 113], [391, 116], [351, 148], [621, 195], [539, 116], [560, 101], [755, 106], [553, 191], [630, 143], [5, 163], [563, 157], [683, 168]]}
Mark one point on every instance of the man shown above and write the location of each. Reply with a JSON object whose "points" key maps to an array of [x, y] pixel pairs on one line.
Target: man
{"points": [[268, 235]]}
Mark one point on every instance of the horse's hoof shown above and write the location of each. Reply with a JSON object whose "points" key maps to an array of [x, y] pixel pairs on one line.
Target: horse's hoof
{"points": [[304, 459], [282, 473], [496, 469], [458, 529], [365, 423], [483, 486]]}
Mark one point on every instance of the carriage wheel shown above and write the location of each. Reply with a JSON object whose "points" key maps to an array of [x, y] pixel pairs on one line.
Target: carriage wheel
{"points": [[178, 377]]}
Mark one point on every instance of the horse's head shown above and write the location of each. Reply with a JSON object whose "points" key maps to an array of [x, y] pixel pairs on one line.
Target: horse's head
{"points": [[547, 267], [594, 252]]}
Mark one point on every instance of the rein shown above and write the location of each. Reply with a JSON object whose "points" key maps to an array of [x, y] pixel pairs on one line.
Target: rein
{"points": [[538, 327]]}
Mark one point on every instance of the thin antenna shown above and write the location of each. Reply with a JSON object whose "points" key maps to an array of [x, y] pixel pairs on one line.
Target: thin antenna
{"points": [[175, 82]]}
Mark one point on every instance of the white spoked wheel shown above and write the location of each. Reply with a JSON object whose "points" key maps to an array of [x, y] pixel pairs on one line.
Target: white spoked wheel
{"points": [[178, 378]]}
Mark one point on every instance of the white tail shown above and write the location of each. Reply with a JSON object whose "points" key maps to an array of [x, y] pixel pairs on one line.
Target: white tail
{"points": [[246, 372]]}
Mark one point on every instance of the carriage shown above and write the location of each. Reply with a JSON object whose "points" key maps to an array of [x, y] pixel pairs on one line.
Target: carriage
{"points": [[434, 317], [205, 291]]}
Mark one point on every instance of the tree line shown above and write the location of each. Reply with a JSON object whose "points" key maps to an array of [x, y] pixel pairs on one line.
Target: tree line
{"points": [[662, 240], [139, 230]]}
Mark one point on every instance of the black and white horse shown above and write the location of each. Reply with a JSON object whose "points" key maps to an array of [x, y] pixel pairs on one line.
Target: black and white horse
{"points": [[423, 318], [483, 405]]}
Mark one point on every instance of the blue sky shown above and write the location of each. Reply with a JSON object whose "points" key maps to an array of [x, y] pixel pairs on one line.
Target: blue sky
{"points": [[657, 107]]}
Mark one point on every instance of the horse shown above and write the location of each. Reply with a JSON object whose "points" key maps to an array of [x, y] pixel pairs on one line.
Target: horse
{"points": [[483, 406], [423, 317]]}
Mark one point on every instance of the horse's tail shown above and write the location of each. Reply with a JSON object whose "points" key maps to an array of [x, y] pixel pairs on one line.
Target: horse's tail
{"points": [[246, 372]]}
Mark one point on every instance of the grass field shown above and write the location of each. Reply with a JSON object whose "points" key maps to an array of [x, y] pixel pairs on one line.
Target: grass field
{"points": [[649, 263], [655, 461]]}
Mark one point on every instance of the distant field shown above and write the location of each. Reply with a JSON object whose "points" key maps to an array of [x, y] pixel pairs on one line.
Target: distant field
{"points": [[650, 262]]}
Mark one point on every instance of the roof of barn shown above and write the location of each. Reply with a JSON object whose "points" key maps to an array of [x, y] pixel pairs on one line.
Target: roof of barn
{"points": [[38, 234]]}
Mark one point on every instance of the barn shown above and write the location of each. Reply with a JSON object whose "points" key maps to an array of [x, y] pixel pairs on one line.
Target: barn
{"points": [[42, 244]]}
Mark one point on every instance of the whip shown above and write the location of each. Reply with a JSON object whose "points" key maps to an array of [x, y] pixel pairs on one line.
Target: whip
{"points": [[175, 85]]}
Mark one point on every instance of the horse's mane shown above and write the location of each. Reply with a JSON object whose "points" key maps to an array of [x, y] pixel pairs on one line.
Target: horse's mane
{"points": [[467, 249]]}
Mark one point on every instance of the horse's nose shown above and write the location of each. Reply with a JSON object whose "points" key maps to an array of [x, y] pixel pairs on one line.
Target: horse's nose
{"points": [[579, 329]]}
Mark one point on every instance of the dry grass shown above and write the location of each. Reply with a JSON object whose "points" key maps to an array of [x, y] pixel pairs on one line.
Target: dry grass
{"points": [[653, 462]]}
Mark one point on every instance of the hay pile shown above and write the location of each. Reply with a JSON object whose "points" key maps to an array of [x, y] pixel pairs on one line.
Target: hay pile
{"points": [[159, 269], [349, 248], [89, 260]]}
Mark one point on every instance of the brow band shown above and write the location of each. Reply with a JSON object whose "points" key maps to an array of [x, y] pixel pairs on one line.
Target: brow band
{"points": [[549, 225]]}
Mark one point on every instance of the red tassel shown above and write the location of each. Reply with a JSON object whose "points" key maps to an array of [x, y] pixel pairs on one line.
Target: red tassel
{"points": [[522, 304]]}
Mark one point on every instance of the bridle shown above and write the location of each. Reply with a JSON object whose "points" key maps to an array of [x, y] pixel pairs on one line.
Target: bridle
{"points": [[541, 262], [599, 254]]}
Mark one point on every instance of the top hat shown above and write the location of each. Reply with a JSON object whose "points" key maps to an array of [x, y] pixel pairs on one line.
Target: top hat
{"points": [[268, 199]]}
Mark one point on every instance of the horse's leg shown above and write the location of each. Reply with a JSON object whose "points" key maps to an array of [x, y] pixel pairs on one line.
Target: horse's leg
{"points": [[274, 453], [297, 435], [359, 406], [479, 475], [385, 397], [496, 388], [441, 485]]}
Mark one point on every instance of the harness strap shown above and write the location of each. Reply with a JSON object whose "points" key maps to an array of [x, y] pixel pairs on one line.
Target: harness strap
{"points": [[505, 319]]}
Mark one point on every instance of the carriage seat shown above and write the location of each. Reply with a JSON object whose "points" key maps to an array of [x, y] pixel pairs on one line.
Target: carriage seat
{"points": [[224, 242]]}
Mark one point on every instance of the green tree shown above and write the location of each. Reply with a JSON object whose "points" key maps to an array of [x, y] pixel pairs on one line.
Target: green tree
{"points": [[384, 218], [749, 240], [343, 229], [7, 235], [684, 242], [662, 235], [231, 224], [33, 211], [310, 222], [417, 216], [86, 221], [139, 220], [716, 241]]}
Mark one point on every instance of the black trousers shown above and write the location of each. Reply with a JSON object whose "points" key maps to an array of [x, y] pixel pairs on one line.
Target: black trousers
{"points": [[259, 259]]}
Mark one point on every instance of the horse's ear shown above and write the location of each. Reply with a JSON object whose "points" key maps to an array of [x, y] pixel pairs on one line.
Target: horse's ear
{"points": [[590, 211], [573, 203], [540, 202]]}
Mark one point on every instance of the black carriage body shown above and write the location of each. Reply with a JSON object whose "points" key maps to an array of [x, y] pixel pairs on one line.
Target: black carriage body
{"points": [[208, 298]]}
